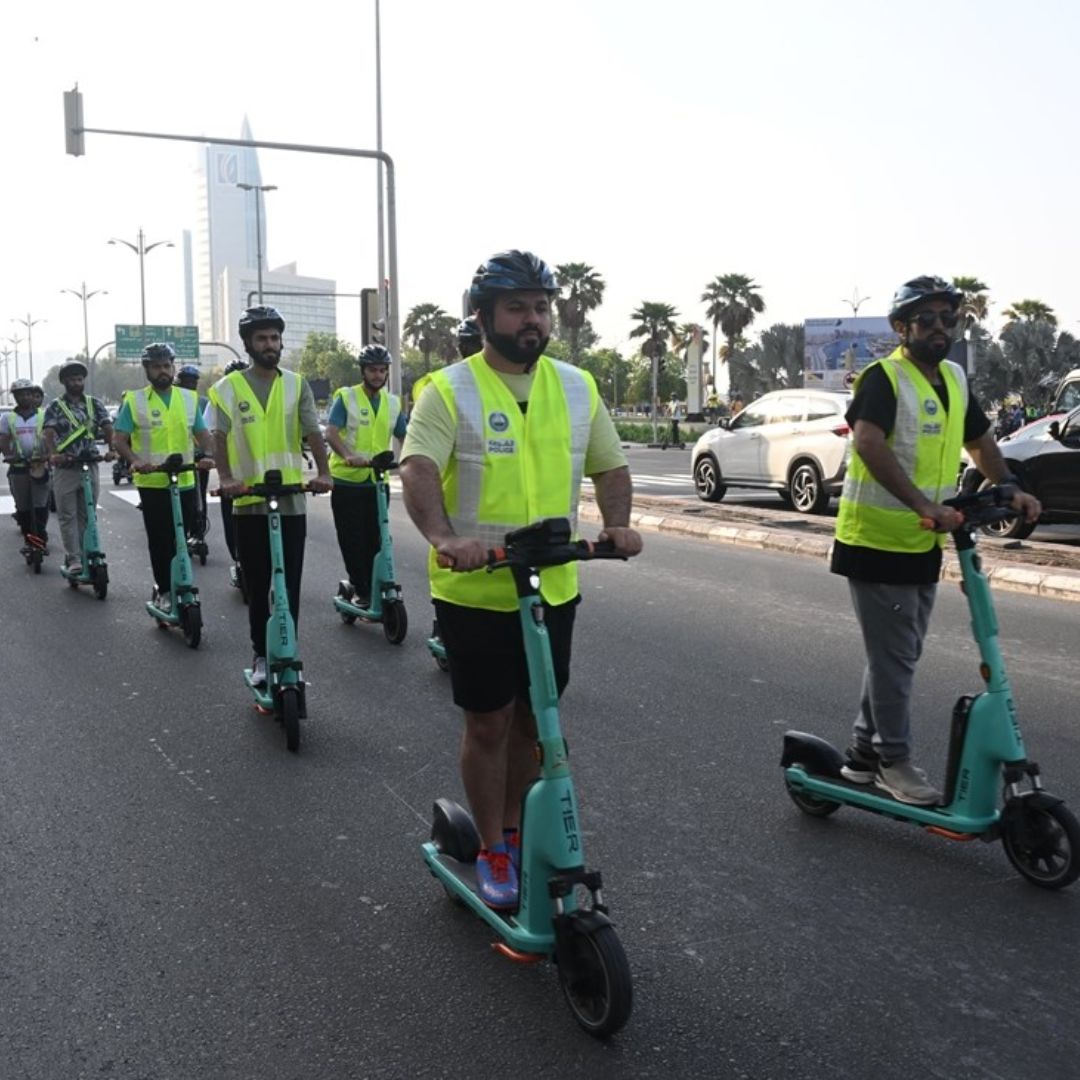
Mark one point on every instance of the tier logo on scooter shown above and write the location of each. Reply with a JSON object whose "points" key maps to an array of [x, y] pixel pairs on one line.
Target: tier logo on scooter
{"points": [[498, 421]]}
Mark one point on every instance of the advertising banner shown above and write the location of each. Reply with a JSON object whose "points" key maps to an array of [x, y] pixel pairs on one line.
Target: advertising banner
{"points": [[838, 349]]}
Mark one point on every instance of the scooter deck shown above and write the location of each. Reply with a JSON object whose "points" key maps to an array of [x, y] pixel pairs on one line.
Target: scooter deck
{"points": [[171, 616], [878, 800]]}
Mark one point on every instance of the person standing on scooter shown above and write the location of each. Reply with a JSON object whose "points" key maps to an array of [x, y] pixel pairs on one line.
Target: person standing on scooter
{"points": [[363, 421], [472, 470], [153, 423], [187, 378], [260, 418], [910, 415], [73, 423], [23, 447]]}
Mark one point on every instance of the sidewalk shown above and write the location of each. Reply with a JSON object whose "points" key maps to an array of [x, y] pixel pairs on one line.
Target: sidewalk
{"points": [[766, 530]]}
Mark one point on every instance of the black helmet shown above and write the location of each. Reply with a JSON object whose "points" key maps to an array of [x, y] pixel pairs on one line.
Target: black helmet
{"points": [[468, 331], [72, 367], [509, 271], [259, 318], [236, 365], [919, 290], [158, 350], [374, 354]]}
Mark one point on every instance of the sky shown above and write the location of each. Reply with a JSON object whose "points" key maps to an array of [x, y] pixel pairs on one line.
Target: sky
{"points": [[819, 148]]}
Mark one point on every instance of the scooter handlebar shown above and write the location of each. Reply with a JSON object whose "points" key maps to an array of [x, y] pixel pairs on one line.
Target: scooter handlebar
{"points": [[538, 556]]}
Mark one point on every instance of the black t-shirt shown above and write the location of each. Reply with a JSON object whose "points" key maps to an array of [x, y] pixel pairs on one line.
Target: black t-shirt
{"points": [[875, 402]]}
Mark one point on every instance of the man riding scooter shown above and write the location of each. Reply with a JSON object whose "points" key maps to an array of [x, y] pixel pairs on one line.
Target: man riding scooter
{"points": [[23, 447]]}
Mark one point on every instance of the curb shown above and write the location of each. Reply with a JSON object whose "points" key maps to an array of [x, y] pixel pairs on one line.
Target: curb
{"points": [[1054, 584]]}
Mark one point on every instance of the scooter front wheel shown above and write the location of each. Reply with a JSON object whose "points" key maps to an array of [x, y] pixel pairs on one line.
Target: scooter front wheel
{"points": [[596, 981], [811, 804], [289, 704], [191, 625], [395, 622], [1043, 844]]}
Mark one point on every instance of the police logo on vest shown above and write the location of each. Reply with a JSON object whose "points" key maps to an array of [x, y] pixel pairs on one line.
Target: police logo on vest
{"points": [[502, 446], [243, 406], [498, 421], [931, 406], [155, 412]]}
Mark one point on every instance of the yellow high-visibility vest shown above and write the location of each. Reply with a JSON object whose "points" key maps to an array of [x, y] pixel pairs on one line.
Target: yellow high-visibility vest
{"points": [[262, 439], [160, 430], [509, 469], [366, 432], [926, 441]]}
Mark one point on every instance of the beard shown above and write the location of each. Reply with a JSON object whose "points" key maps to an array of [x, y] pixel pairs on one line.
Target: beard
{"points": [[268, 358], [162, 382], [509, 347], [930, 352]]}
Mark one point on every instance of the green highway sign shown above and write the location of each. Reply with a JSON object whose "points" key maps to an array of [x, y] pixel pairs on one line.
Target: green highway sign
{"points": [[130, 340]]}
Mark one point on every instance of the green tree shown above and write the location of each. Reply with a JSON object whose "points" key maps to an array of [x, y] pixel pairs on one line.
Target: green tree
{"points": [[583, 291], [976, 304], [326, 356], [732, 303], [430, 330], [1030, 311], [1035, 356], [656, 323]]}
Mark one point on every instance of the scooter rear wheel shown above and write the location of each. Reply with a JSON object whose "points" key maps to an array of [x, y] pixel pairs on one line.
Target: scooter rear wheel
{"points": [[811, 804], [395, 621], [289, 715], [1043, 844], [99, 579], [596, 983]]}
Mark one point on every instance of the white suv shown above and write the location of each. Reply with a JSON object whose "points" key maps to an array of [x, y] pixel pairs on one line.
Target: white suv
{"points": [[795, 442]]}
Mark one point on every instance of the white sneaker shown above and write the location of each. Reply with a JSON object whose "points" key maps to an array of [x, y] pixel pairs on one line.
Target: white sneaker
{"points": [[258, 671], [164, 602]]}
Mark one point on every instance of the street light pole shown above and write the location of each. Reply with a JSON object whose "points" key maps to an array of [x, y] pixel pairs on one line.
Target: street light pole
{"points": [[257, 188], [84, 296], [16, 341], [5, 356], [142, 249], [29, 324], [378, 146], [856, 302]]}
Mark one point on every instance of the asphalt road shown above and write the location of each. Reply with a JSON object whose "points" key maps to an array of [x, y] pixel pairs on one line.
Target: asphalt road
{"points": [[180, 897]]}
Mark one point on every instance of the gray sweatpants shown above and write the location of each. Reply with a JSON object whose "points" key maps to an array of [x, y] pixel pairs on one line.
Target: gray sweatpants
{"points": [[893, 620], [71, 507]]}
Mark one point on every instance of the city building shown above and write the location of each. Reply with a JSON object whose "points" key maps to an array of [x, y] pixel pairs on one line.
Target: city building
{"points": [[306, 303]]}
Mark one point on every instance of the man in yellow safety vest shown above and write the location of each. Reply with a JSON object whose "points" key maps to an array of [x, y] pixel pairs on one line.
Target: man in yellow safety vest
{"points": [[260, 417], [363, 421], [473, 469], [910, 415], [153, 423]]}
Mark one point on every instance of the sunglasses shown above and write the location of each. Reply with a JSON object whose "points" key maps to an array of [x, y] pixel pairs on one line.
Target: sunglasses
{"points": [[927, 319]]}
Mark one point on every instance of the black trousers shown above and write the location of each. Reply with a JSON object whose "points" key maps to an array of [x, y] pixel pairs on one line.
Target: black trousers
{"points": [[356, 519], [227, 526], [158, 522], [253, 550]]}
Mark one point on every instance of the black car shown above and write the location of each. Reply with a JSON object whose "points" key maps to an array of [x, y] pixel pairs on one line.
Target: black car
{"points": [[1045, 457]]}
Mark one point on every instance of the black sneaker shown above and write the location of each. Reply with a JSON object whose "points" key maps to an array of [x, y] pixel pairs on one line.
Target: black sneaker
{"points": [[860, 766]]}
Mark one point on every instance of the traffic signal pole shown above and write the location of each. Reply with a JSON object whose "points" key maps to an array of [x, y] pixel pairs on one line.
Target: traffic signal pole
{"points": [[74, 132]]}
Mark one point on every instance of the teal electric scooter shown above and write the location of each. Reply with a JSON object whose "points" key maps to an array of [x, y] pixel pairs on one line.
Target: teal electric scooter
{"points": [[95, 571], [284, 694], [387, 606], [593, 971], [436, 647], [186, 611], [1041, 836]]}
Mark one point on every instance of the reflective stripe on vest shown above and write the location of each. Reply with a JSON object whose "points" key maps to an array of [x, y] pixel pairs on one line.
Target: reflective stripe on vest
{"points": [[509, 469], [365, 432], [161, 430], [926, 440], [262, 439]]}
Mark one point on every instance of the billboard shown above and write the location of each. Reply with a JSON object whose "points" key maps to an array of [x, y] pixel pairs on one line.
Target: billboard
{"points": [[838, 349]]}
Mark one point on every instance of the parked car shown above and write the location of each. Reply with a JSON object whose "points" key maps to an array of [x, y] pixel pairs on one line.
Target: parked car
{"points": [[1045, 457], [794, 442]]}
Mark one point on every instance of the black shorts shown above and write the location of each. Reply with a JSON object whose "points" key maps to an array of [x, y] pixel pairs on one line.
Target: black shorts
{"points": [[486, 652]]}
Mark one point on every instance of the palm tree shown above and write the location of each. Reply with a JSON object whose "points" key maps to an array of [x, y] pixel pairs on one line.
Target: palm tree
{"points": [[1030, 311], [428, 327], [656, 323], [976, 305], [585, 290], [733, 300]]}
